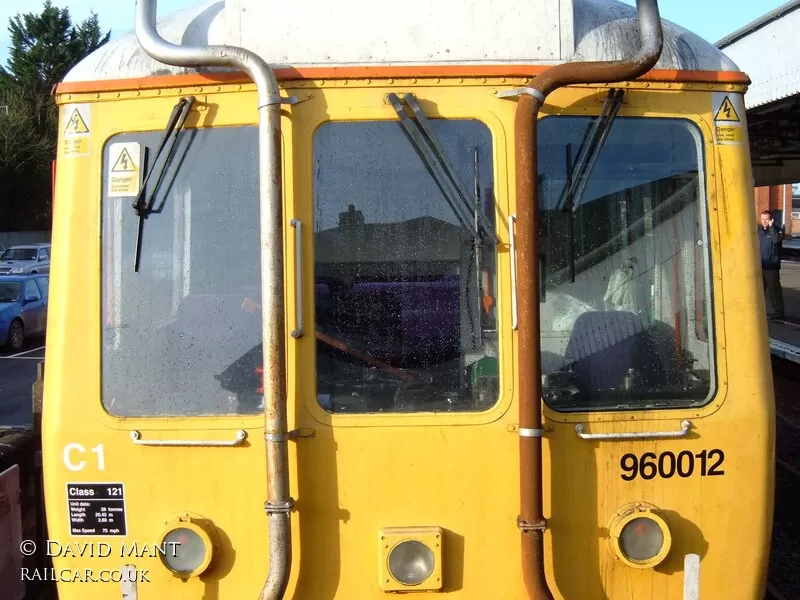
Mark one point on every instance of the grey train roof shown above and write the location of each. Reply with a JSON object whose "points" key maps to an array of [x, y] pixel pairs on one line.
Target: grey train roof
{"points": [[313, 33]]}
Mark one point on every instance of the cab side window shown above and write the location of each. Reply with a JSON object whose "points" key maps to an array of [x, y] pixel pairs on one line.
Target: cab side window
{"points": [[626, 323]]}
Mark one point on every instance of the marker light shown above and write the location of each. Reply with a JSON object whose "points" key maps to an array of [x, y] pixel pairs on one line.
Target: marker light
{"points": [[186, 548], [411, 559], [639, 536], [641, 539], [411, 562]]}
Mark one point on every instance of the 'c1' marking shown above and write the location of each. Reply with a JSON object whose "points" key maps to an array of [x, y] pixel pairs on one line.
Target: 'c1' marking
{"points": [[79, 466]]}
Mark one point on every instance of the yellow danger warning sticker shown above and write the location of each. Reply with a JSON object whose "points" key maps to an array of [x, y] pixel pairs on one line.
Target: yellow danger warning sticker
{"points": [[727, 134], [76, 123], [124, 161], [76, 134], [728, 111], [78, 146]]}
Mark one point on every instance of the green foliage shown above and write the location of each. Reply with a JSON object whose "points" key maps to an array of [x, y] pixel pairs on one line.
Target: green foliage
{"points": [[20, 144], [44, 47]]}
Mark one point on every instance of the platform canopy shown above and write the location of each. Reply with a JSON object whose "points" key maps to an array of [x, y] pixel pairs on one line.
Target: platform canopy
{"points": [[768, 50]]}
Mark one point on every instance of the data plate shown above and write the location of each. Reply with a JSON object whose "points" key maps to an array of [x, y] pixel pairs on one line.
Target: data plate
{"points": [[97, 509]]}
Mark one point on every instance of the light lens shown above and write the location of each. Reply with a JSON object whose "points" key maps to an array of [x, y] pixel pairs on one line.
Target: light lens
{"points": [[411, 562], [641, 539], [183, 551]]}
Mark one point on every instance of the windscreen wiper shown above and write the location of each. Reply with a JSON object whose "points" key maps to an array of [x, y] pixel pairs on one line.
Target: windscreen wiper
{"points": [[144, 207], [590, 149], [441, 169], [578, 174]]}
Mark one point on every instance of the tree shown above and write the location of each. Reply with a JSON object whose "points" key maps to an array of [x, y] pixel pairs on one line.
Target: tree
{"points": [[20, 145], [23, 189], [44, 47]]}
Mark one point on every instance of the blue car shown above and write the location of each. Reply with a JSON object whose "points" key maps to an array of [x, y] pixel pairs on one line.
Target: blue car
{"points": [[23, 308]]}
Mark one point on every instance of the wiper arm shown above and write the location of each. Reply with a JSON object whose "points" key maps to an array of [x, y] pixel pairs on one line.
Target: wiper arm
{"points": [[590, 149], [441, 169], [145, 207]]}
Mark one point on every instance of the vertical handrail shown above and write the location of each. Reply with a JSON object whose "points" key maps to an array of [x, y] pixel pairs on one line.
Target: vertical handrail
{"points": [[512, 219], [297, 224]]}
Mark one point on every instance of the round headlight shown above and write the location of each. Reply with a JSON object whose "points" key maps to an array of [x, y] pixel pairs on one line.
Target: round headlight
{"points": [[641, 539], [186, 549], [639, 536], [411, 562]]}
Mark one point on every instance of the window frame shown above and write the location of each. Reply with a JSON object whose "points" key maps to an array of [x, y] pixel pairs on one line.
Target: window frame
{"points": [[213, 420], [369, 105], [701, 133], [494, 262]]}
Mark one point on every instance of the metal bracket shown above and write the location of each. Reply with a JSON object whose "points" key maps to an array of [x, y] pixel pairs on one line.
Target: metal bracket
{"points": [[302, 432], [528, 526], [272, 100], [532, 433], [297, 100], [513, 93], [284, 507]]}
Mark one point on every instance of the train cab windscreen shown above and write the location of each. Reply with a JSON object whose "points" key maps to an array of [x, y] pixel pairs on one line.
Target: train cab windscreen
{"points": [[626, 310], [404, 266], [404, 273]]}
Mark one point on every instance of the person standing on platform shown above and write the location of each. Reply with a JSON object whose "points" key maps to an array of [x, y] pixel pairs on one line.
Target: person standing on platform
{"points": [[770, 241]]}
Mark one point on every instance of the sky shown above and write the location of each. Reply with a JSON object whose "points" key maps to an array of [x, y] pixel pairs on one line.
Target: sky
{"points": [[710, 19]]}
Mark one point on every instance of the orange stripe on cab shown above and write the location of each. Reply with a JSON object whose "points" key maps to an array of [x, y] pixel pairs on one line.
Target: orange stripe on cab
{"points": [[375, 72]]}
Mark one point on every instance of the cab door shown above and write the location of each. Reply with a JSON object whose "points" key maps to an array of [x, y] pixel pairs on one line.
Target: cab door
{"points": [[404, 366], [154, 443], [646, 472]]}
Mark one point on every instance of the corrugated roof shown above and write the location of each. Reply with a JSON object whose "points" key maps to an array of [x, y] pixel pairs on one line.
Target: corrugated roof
{"points": [[767, 50], [758, 23]]}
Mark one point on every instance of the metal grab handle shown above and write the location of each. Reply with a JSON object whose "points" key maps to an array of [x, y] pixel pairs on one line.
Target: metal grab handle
{"points": [[240, 437], [685, 426], [511, 220], [298, 274]]}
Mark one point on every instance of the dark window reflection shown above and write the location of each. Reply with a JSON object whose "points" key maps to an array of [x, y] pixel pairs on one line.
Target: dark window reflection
{"points": [[626, 320], [405, 298]]}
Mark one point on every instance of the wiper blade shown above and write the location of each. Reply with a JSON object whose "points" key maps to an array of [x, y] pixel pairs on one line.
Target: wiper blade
{"points": [[144, 207], [589, 151], [441, 169]]}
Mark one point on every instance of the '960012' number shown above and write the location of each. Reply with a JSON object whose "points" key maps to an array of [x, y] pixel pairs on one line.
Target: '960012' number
{"points": [[685, 464]]}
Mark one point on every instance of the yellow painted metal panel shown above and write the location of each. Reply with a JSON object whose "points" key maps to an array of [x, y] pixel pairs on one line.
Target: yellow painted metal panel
{"points": [[459, 471]]}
